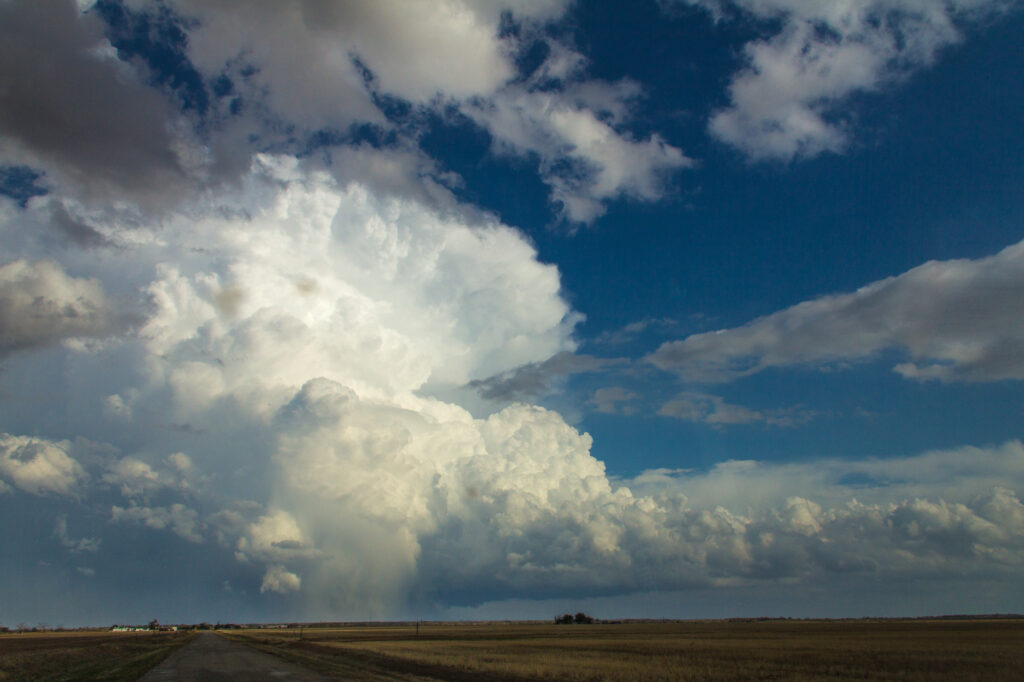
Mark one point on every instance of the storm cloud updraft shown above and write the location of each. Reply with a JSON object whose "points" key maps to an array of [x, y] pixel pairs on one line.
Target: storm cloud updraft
{"points": [[458, 309]]}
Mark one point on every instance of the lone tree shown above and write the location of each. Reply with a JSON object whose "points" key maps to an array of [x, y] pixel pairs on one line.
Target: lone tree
{"points": [[569, 619]]}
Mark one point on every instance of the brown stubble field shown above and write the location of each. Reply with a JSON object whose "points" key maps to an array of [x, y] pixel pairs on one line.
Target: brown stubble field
{"points": [[970, 649], [86, 656]]}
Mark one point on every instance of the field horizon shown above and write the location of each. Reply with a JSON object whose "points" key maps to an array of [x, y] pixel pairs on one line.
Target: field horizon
{"points": [[42, 628], [971, 647]]}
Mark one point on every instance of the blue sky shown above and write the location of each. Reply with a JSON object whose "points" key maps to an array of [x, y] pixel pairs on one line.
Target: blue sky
{"points": [[467, 309]]}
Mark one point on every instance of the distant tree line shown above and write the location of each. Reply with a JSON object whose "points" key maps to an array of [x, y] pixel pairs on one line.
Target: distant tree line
{"points": [[569, 619]]}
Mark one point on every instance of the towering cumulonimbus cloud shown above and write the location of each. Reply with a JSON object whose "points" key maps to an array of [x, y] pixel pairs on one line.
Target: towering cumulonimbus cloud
{"points": [[215, 336], [277, 397], [268, 311]]}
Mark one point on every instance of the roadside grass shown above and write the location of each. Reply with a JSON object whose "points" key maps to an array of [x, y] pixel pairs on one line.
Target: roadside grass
{"points": [[86, 657], [349, 665], [908, 650]]}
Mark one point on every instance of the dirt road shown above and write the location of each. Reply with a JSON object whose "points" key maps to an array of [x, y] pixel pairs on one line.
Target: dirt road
{"points": [[209, 658]]}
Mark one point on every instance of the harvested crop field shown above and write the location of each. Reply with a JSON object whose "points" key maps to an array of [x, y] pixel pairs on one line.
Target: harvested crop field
{"points": [[97, 655], [709, 650]]}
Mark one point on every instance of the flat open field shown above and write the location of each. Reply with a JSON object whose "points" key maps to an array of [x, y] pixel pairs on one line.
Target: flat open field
{"points": [[701, 650], [97, 655]]}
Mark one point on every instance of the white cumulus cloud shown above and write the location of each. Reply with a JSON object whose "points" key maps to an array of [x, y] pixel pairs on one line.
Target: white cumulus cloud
{"points": [[584, 159], [40, 466], [787, 101], [178, 518], [957, 320], [279, 579], [414, 49], [310, 65], [137, 479]]}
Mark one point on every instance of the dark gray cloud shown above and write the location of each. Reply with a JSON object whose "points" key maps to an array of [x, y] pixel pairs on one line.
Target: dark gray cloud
{"points": [[613, 399], [40, 305], [73, 545], [78, 111], [635, 330], [73, 229], [714, 410], [534, 379]]}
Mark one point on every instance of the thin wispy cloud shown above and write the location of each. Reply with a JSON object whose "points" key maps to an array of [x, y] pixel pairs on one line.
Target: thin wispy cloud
{"points": [[954, 319]]}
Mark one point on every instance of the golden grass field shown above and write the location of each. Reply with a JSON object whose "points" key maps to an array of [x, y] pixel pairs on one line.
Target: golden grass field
{"points": [[83, 656], [697, 650], [970, 649]]}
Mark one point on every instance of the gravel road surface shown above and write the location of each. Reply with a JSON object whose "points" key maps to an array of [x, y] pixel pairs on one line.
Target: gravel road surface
{"points": [[209, 658]]}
